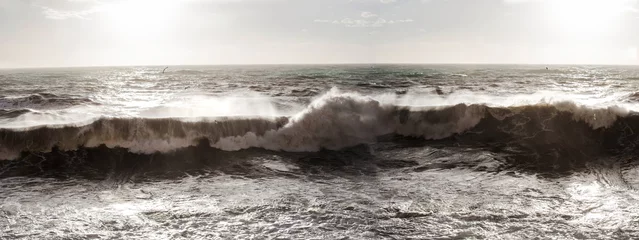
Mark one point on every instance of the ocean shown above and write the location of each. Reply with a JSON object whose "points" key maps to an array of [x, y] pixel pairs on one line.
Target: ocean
{"points": [[320, 152]]}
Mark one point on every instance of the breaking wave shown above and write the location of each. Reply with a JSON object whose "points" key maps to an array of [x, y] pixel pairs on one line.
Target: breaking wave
{"points": [[42, 101], [339, 120]]}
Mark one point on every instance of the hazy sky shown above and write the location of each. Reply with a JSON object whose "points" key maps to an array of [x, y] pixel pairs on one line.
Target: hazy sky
{"points": [[51, 33]]}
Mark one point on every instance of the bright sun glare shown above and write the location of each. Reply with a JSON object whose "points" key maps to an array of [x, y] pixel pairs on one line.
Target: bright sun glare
{"points": [[587, 17], [141, 18]]}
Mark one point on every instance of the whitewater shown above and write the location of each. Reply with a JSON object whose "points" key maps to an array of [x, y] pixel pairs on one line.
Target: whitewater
{"points": [[320, 151]]}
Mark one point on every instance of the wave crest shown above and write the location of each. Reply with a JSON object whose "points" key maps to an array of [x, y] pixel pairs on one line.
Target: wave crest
{"points": [[138, 135], [335, 120]]}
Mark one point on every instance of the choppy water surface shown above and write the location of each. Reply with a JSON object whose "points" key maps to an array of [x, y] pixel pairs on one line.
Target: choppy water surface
{"points": [[320, 152]]}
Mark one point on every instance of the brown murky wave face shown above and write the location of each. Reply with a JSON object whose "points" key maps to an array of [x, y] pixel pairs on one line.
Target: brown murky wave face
{"points": [[506, 152]]}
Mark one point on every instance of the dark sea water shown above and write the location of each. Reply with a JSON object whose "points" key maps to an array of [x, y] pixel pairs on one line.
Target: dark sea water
{"points": [[320, 152]]}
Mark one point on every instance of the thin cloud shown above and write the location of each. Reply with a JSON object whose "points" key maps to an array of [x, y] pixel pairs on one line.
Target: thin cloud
{"points": [[95, 6], [387, 1], [364, 23], [620, 6], [102, 6], [62, 15], [575, 1], [368, 15]]}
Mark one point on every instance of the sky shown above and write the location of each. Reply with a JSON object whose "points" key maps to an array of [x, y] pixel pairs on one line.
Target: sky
{"points": [[59, 33]]}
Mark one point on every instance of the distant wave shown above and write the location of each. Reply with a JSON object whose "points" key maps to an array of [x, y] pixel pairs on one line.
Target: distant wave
{"points": [[543, 70], [340, 120], [308, 77], [306, 92], [459, 75], [410, 75], [42, 100], [185, 71], [373, 85]]}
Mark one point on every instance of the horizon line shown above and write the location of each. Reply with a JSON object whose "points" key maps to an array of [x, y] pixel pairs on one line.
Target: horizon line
{"points": [[316, 64]]}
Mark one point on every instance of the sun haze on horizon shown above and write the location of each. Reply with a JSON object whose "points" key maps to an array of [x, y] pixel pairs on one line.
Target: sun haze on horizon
{"points": [[59, 33]]}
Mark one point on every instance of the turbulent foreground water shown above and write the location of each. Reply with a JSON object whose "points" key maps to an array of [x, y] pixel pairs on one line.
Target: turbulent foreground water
{"points": [[320, 152]]}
